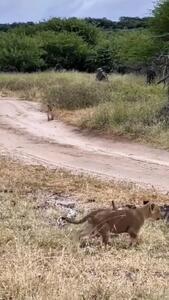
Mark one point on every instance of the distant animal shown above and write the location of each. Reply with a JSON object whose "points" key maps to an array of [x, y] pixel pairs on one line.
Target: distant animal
{"points": [[104, 221], [50, 114], [151, 75], [101, 75]]}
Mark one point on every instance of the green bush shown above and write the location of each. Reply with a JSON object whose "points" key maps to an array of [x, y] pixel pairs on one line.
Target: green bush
{"points": [[65, 49], [21, 52], [135, 48], [76, 95]]}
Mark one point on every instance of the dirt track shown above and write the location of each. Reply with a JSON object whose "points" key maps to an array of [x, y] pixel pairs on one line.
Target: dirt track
{"points": [[26, 134]]}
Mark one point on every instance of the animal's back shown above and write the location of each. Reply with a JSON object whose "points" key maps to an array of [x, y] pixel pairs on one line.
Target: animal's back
{"points": [[124, 220]]}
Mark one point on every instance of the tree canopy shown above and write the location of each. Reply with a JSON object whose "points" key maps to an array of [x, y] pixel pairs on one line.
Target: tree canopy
{"points": [[84, 45], [160, 20]]}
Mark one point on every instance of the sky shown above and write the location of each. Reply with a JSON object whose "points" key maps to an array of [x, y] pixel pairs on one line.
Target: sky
{"points": [[38, 10]]}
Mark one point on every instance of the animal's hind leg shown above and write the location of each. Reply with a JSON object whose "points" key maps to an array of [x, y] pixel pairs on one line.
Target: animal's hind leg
{"points": [[104, 232], [81, 234], [87, 230]]}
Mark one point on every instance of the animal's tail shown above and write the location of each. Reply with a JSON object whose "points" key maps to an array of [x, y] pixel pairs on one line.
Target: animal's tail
{"points": [[83, 220]]}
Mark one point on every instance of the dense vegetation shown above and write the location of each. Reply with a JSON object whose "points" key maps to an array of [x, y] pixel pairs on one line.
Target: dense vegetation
{"points": [[84, 45]]}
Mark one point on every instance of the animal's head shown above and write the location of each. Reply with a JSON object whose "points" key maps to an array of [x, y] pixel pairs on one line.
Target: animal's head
{"points": [[154, 210]]}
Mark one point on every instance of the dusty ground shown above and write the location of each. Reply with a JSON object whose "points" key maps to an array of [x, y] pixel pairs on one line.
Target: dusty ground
{"points": [[25, 133]]}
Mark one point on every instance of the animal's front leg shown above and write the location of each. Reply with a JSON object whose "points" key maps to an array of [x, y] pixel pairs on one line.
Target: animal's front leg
{"points": [[134, 239]]}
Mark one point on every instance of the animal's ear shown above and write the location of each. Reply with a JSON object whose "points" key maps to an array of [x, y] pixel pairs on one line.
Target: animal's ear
{"points": [[145, 202], [152, 206]]}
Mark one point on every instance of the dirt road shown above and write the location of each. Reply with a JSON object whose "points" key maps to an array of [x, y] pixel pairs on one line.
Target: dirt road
{"points": [[26, 134]]}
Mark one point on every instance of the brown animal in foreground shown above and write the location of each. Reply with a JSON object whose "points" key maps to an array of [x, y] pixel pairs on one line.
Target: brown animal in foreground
{"points": [[50, 113], [104, 221]]}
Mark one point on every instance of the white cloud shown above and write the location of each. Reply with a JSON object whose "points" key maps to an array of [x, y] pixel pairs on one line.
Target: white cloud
{"points": [[113, 9], [35, 10], [87, 5]]}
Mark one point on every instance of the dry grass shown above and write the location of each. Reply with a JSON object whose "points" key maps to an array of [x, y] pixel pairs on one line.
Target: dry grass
{"points": [[124, 106], [38, 85], [40, 261]]}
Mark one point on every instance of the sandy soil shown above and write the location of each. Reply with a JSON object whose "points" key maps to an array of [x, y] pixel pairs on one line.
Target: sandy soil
{"points": [[26, 134]]}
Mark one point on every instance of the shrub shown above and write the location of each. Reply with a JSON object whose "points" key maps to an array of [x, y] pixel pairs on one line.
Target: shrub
{"points": [[75, 95]]}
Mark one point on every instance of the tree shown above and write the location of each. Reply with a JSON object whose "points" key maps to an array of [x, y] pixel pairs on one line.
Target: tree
{"points": [[104, 56], [91, 61], [160, 20], [65, 49], [78, 44], [135, 48], [86, 31], [20, 52], [133, 23]]}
